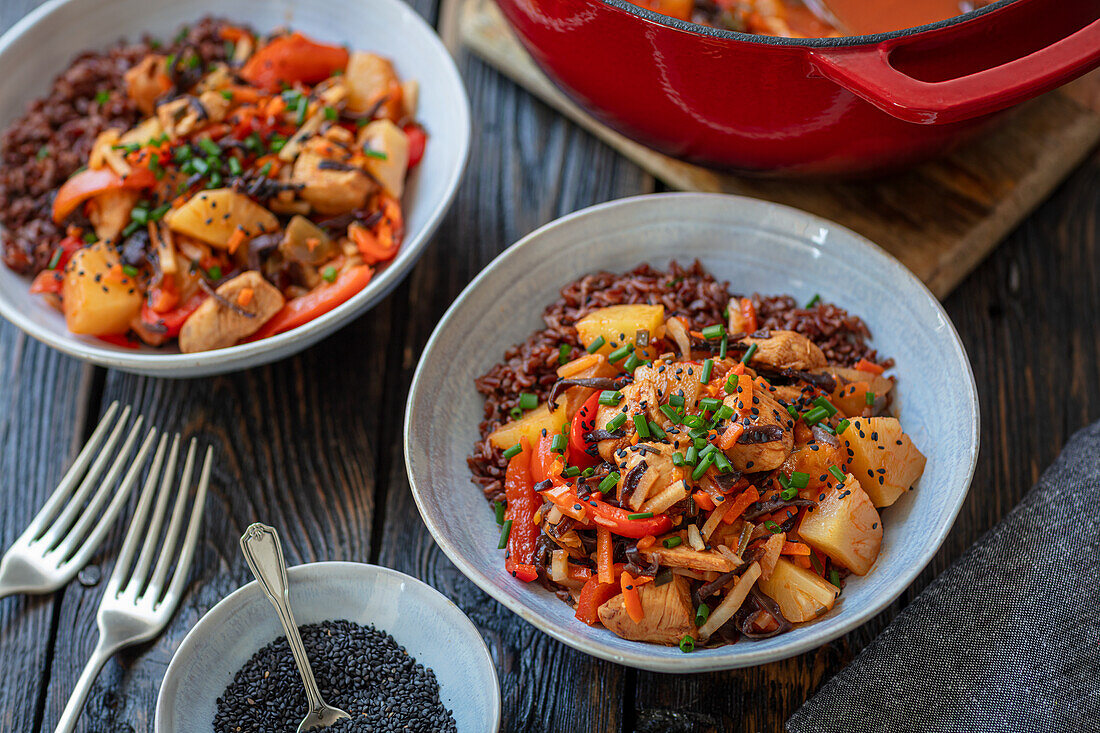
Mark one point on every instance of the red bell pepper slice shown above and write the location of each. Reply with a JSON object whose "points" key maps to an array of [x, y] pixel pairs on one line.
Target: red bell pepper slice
{"points": [[172, 320], [542, 462], [88, 183], [619, 522], [594, 594], [293, 58], [523, 503], [583, 422], [418, 139], [303, 309]]}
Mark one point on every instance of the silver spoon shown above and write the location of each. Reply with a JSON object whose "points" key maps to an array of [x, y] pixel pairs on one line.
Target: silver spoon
{"points": [[261, 548]]}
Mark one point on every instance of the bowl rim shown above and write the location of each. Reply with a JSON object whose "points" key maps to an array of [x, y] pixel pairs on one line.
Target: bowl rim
{"points": [[275, 347], [690, 663], [870, 39], [230, 603]]}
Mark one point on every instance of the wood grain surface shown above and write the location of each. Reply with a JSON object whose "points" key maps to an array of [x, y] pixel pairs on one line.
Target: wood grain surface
{"points": [[312, 445]]}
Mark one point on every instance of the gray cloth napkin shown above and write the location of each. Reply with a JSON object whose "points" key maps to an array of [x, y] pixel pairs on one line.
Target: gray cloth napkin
{"points": [[1006, 640]]}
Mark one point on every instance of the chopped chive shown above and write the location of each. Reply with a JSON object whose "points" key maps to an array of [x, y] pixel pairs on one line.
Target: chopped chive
{"points": [[129, 271], [701, 614], [731, 384], [834, 577], [676, 400], [788, 493], [102, 97], [277, 143], [824, 404], [800, 480], [331, 114], [528, 401], [616, 422], [563, 353], [498, 508], [818, 568], [842, 426], [182, 153], [704, 464], [512, 452], [709, 404], [749, 353], [723, 348], [837, 473], [200, 166], [505, 530], [139, 214], [55, 258], [266, 169], [235, 167], [640, 515], [303, 108], [783, 480], [792, 411], [708, 367], [671, 542], [329, 274], [253, 142], [711, 333], [678, 459], [588, 471], [869, 398], [814, 416], [214, 273], [722, 463], [596, 345], [227, 94], [632, 362], [557, 444], [210, 146], [90, 237], [692, 456], [687, 644], [571, 471], [771, 527], [610, 398], [609, 482], [42, 153], [656, 431], [641, 426], [516, 413], [132, 227], [377, 154], [695, 421], [620, 353], [813, 301], [707, 449], [725, 412], [671, 413]]}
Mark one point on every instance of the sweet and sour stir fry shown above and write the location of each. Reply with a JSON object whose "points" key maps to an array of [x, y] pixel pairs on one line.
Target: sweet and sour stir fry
{"points": [[686, 482], [255, 193]]}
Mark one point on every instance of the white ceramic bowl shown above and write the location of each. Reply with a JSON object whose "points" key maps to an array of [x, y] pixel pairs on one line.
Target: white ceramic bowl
{"points": [[431, 628], [43, 44], [758, 247]]}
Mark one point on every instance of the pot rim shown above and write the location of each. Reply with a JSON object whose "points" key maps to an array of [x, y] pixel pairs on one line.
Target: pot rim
{"points": [[840, 42]]}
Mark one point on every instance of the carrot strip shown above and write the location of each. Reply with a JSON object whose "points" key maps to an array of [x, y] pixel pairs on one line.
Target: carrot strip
{"points": [[869, 366], [603, 554], [631, 599], [795, 548], [731, 435], [744, 500], [703, 501], [236, 239], [646, 542]]}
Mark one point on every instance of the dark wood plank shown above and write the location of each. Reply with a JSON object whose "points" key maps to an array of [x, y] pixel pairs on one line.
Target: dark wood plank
{"points": [[42, 397], [527, 167]]}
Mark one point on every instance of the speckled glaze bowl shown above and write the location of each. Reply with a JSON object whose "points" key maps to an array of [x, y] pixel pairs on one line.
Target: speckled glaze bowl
{"points": [[43, 44], [418, 617], [758, 247]]}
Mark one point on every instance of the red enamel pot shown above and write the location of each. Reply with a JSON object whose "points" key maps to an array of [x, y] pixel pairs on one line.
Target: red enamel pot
{"points": [[828, 106]]}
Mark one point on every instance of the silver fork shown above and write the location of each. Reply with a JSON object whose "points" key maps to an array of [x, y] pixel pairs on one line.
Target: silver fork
{"points": [[136, 605], [68, 530]]}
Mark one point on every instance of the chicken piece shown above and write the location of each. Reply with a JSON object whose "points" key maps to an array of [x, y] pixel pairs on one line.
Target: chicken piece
{"points": [[215, 104], [785, 350], [769, 430], [649, 472], [669, 615], [109, 212], [633, 396], [683, 556], [215, 325], [180, 116], [329, 183], [147, 81], [663, 379]]}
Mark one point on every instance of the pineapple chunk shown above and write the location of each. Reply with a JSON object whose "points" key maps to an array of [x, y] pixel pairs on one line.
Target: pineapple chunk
{"points": [[530, 426], [619, 324], [98, 298], [815, 460], [212, 217], [802, 595], [845, 526], [882, 458], [390, 160], [852, 386], [371, 78]]}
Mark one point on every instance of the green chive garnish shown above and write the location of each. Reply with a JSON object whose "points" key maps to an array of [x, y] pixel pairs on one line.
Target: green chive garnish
{"points": [[90, 238], [731, 384], [723, 348], [704, 464], [616, 422], [505, 530], [687, 644], [266, 169], [620, 353], [695, 421], [209, 146], [788, 493], [676, 400], [722, 463], [814, 416], [825, 405], [227, 94], [129, 270], [656, 431], [632, 362], [709, 404], [596, 345], [837, 473], [710, 333], [557, 443], [749, 353], [701, 614], [708, 367], [870, 398], [303, 108], [571, 471], [641, 426], [214, 273], [609, 482], [842, 426], [329, 274], [792, 411], [640, 515], [563, 353], [512, 452], [691, 456], [42, 153], [816, 563], [813, 301], [678, 459], [331, 114], [671, 542], [516, 413], [834, 577], [610, 398], [498, 508], [771, 527], [800, 480], [725, 412], [671, 413], [378, 154], [528, 401], [235, 167]]}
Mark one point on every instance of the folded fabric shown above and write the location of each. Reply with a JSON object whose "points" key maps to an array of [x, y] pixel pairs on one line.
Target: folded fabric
{"points": [[1007, 639]]}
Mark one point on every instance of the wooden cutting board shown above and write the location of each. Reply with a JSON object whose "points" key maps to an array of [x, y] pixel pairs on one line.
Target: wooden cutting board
{"points": [[940, 218]]}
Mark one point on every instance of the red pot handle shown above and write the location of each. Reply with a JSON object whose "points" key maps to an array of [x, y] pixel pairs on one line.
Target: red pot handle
{"points": [[867, 72]]}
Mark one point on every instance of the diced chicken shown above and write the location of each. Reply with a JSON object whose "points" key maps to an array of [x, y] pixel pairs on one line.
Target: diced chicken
{"points": [[180, 116], [330, 184], [147, 81], [786, 350], [662, 379], [214, 325], [649, 472], [109, 212], [215, 104], [682, 556], [669, 615], [761, 416]]}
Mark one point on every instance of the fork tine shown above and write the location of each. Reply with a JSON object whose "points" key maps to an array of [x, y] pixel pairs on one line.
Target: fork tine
{"points": [[191, 539], [167, 550], [152, 534], [65, 521], [65, 487], [137, 522]]}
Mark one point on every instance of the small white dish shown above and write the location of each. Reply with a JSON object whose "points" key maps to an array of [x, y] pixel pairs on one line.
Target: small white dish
{"points": [[43, 44], [758, 247], [420, 618]]}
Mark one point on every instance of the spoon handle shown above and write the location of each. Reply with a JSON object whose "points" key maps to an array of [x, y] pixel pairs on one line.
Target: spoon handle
{"points": [[260, 544]]}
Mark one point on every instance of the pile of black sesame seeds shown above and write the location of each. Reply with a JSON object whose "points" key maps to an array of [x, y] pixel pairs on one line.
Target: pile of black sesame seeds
{"points": [[358, 668]]}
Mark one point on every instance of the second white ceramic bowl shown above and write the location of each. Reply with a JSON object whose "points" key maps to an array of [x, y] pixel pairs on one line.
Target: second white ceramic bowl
{"points": [[758, 247], [44, 43]]}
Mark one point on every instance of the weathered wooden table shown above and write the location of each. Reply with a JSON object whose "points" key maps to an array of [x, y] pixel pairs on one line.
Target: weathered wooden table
{"points": [[312, 445]]}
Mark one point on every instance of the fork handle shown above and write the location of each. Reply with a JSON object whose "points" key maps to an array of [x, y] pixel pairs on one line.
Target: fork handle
{"points": [[264, 554], [75, 706]]}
